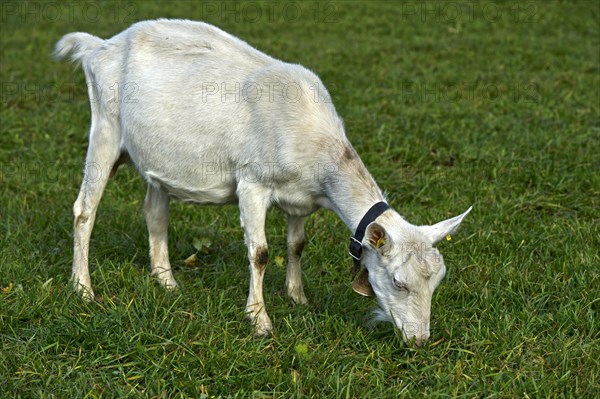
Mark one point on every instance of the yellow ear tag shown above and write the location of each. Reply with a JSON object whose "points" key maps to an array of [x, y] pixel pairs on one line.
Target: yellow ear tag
{"points": [[380, 242], [448, 237]]}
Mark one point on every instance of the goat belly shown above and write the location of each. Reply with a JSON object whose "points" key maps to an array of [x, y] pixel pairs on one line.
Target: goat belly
{"points": [[211, 189]]}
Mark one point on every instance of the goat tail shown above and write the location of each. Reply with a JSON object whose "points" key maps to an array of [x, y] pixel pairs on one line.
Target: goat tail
{"points": [[77, 45]]}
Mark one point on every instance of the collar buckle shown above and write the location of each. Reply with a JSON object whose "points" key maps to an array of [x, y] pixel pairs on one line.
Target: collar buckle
{"points": [[355, 249]]}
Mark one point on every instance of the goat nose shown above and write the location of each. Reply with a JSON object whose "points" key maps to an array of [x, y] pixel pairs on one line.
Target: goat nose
{"points": [[420, 341]]}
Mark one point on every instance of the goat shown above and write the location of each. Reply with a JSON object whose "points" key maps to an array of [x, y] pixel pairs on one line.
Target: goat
{"points": [[211, 120]]}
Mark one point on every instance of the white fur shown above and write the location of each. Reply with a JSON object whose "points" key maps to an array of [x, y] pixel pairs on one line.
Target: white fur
{"points": [[208, 119]]}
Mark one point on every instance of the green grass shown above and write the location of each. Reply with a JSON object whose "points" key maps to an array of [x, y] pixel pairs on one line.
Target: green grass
{"points": [[497, 108]]}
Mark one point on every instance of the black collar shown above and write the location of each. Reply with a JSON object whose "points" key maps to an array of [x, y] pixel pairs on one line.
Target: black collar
{"points": [[356, 240]]}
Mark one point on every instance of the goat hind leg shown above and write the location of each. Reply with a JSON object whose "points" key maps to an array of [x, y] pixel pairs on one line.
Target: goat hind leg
{"points": [[156, 212], [103, 152]]}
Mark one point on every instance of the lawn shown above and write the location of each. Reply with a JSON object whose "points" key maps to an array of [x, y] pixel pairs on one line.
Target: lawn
{"points": [[449, 104]]}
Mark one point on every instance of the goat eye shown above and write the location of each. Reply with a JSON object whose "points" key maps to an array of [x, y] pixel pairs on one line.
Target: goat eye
{"points": [[400, 285]]}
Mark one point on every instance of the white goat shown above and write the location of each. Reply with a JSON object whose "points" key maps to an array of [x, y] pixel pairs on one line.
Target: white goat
{"points": [[208, 119]]}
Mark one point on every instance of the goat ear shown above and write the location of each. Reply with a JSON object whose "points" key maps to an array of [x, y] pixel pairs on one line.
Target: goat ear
{"points": [[361, 285], [377, 237], [443, 229]]}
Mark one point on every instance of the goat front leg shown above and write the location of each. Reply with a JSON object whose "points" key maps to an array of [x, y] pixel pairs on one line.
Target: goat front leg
{"points": [[253, 203], [156, 212], [295, 245]]}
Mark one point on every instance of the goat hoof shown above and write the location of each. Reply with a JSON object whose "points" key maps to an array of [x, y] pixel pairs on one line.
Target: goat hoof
{"points": [[86, 293], [300, 300], [169, 285], [263, 332], [263, 328], [297, 296]]}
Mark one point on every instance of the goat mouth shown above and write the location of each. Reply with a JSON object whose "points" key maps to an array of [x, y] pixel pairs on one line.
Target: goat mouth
{"points": [[379, 315], [410, 331]]}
